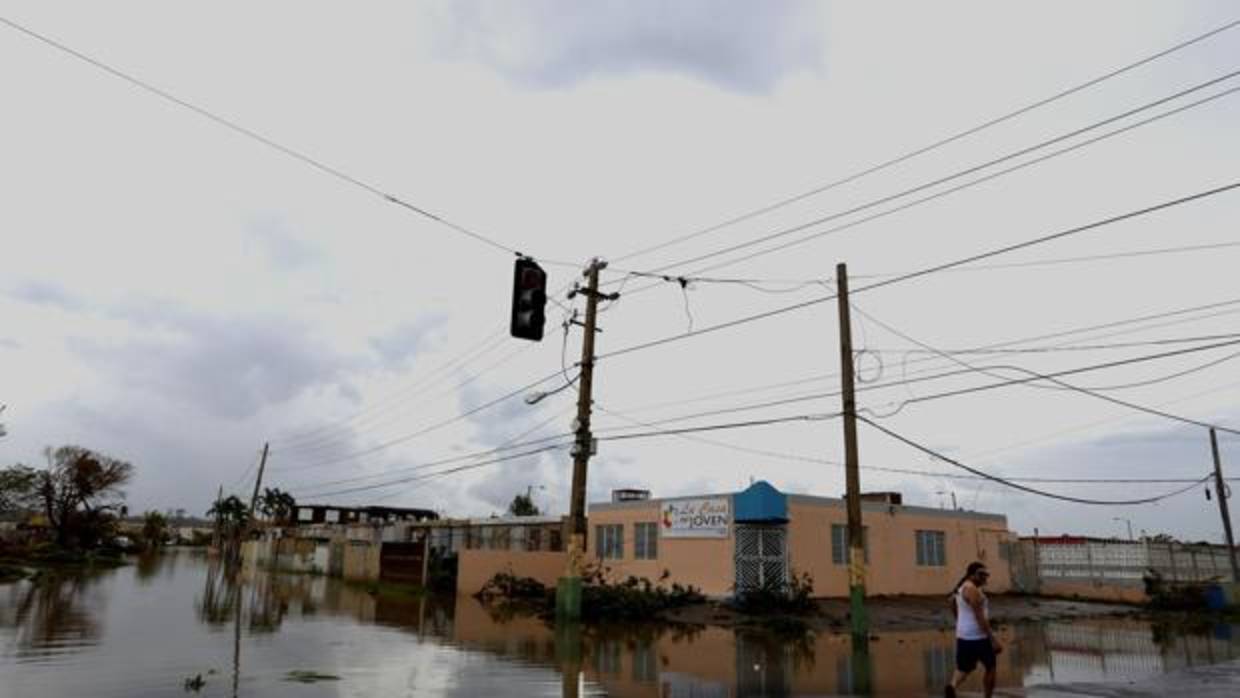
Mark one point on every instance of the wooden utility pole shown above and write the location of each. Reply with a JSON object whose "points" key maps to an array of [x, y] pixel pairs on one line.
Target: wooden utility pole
{"points": [[1220, 489], [258, 482], [568, 591], [856, 549], [217, 536]]}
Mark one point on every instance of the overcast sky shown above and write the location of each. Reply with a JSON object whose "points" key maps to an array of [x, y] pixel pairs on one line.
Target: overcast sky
{"points": [[175, 294]]}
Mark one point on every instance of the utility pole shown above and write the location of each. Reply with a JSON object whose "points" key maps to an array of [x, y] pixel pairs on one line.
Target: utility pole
{"points": [[856, 550], [258, 481], [217, 537], [568, 591], [1127, 521], [1220, 489]]}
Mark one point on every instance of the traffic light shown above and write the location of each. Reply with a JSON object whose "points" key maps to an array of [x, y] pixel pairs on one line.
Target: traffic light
{"points": [[529, 300]]}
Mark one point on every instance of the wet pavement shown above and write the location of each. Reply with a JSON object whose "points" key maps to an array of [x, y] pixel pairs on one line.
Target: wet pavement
{"points": [[145, 629]]}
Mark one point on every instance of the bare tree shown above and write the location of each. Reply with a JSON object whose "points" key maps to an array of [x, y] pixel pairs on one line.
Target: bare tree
{"points": [[80, 491]]}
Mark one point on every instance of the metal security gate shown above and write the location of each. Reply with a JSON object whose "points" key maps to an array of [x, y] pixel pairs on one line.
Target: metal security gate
{"points": [[402, 562], [761, 557]]}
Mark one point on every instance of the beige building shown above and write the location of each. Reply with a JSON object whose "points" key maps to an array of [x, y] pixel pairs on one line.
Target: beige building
{"points": [[722, 543]]}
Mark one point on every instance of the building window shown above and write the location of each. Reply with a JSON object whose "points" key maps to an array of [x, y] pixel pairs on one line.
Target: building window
{"points": [[931, 549], [646, 541], [533, 541], [839, 544], [609, 541]]}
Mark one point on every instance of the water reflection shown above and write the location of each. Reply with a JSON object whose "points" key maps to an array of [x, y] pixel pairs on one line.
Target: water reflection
{"points": [[60, 614], [124, 633]]}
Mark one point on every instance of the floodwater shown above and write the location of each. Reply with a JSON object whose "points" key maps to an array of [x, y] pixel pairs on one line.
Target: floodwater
{"points": [[143, 630]]}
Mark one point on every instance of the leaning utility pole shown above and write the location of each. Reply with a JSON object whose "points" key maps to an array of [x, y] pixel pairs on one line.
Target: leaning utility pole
{"points": [[258, 481], [568, 591], [217, 536], [1220, 489], [856, 543]]}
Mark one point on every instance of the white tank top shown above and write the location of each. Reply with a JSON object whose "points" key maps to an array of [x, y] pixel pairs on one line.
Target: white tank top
{"points": [[967, 625]]}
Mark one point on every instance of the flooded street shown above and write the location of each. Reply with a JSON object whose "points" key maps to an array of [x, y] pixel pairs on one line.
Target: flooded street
{"points": [[145, 629]]}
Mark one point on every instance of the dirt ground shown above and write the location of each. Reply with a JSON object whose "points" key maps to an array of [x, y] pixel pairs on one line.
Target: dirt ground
{"points": [[913, 612]]}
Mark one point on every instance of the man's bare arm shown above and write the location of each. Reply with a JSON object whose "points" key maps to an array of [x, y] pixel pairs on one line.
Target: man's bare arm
{"points": [[974, 598]]}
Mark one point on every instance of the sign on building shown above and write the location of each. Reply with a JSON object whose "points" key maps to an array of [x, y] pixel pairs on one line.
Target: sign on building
{"points": [[696, 518]]}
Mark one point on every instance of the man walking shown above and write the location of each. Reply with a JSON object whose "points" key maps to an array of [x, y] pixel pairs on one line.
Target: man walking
{"points": [[975, 641]]}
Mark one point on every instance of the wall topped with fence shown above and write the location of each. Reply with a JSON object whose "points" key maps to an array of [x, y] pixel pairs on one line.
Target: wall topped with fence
{"points": [[1111, 569]]}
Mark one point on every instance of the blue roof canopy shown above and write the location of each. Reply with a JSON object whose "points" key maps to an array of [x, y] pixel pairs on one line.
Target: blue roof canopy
{"points": [[761, 503]]}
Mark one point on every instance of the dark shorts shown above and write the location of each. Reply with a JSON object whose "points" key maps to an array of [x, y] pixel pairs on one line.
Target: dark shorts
{"points": [[970, 652]]}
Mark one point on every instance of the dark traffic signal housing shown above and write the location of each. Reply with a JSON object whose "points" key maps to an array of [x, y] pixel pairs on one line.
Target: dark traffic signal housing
{"points": [[529, 300]]}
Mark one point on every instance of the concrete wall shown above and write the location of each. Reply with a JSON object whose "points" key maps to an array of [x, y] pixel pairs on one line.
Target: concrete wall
{"points": [[892, 540], [361, 561], [476, 567], [706, 563], [1113, 570]]}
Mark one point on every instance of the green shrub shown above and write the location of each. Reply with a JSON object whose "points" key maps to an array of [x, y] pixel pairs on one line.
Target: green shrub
{"points": [[632, 599]]}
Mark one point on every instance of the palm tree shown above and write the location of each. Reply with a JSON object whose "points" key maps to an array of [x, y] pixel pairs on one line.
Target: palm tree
{"points": [[154, 529], [230, 511], [276, 504]]}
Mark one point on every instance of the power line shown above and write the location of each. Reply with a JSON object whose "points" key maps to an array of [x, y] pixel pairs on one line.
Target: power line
{"points": [[901, 471], [266, 141], [440, 473], [995, 346], [972, 369], [1075, 260], [1025, 488], [956, 175], [1054, 236], [930, 270], [509, 444], [1054, 377], [246, 475], [723, 427], [987, 370], [487, 345], [434, 427], [933, 146], [795, 285], [316, 438], [1060, 347], [326, 441]]}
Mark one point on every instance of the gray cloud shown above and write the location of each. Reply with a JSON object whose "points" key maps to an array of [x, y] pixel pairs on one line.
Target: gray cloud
{"points": [[404, 342], [745, 47], [9, 343], [227, 366], [42, 292], [281, 247]]}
